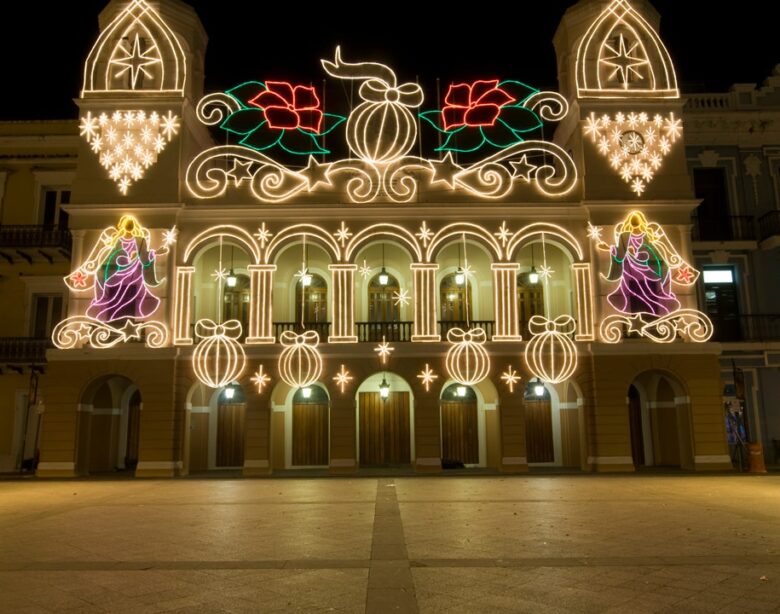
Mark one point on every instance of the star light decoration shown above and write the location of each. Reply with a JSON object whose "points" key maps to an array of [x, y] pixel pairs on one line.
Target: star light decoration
{"points": [[220, 274], [510, 378], [170, 236], [503, 234], [634, 143], [343, 234], [384, 350], [136, 60], [128, 142], [625, 62], [425, 234], [342, 378], [263, 235], [427, 376], [260, 379], [401, 299], [365, 270], [594, 232], [546, 272]]}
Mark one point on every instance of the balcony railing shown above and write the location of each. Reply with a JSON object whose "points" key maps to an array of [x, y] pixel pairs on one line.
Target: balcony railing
{"points": [[35, 236], [486, 325], [769, 225], [23, 350], [322, 328], [747, 328], [391, 331], [739, 228]]}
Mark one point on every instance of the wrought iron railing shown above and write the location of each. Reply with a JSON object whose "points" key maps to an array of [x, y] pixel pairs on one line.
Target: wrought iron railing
{"points": [[322, 328], [486, 325], [747, 328], [390, 331], [769, 225], [23, 350], [739, 228], [35, 236]]}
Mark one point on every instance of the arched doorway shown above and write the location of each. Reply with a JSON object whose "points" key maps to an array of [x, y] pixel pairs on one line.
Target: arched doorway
{"points": [[539, 439], [109, 425], [217, 425], [459, 427], [385, 421], [659, 422], [310, 442]]}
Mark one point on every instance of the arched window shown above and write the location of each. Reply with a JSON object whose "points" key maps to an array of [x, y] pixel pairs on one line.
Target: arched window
{"points": [[236, 302], [530, 300], [456, 299], [382, 305], [311, 300]]}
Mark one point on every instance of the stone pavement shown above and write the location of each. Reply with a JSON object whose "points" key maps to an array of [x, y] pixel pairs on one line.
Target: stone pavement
{"points": [[448, 544]]}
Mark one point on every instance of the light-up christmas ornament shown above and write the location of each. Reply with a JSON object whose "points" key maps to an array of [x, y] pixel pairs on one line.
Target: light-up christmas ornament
{"points": [[382, 128], [467, 360], [343, 378], [260, 379], [551, 355], [510, 378], [300, 363], [218, 359], [645, 265], [427, 377], [128, 142], [120, 270]]}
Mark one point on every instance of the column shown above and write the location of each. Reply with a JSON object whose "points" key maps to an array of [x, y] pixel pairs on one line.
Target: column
{"points": [[505, 301], [425, 326], [343, 303], [584, 293], [513, 447], [261, 284], [182, 334]]}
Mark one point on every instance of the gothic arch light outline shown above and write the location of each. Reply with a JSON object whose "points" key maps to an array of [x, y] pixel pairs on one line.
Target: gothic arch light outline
{"points": [[379, 231], [228, 231], [457, 230], [662, 79], [542, 228], [308, 231], [170, 50]]}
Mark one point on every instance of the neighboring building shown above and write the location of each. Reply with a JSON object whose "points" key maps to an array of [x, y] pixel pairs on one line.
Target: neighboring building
{"points": [[37, 165], [503, 302], [733, 150]]}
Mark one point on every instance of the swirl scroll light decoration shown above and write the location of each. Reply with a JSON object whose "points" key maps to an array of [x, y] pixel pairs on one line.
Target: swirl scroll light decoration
{"points": [[219, 358], [551, 355], [646, 267], [381, 132]]}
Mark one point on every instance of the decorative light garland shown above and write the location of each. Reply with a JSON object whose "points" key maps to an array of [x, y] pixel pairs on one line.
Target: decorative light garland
{"points": [[300, 363], [510, 378], [551, 355], [384, 350], [427, 377], [219, 358], [634, 143], [128, 142], [342, 378], [260, 379]]}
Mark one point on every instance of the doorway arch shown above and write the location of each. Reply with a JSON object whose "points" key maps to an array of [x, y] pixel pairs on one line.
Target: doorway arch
{"points": [[109, 424], [385, 426], [659, 421], [217, 428]]}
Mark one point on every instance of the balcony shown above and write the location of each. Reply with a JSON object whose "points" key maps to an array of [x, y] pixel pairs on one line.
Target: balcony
{"points": [[769, 225], [322, 328], [23, 350], [747, 328], [368, 332], [738, 228], [38, 243]]}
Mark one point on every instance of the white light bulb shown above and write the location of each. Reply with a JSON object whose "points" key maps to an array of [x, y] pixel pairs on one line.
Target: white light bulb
{"points": [[461, 391], [539, 390], [229, 392], [460, 277], [306, 279], [306, 392]]}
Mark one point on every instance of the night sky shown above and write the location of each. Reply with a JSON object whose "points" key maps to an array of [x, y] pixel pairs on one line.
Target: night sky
{"points": [[711, 48]]}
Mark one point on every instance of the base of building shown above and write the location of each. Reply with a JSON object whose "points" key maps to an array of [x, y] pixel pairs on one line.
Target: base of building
{"points": [[342, 466], [427, 465], [157, 469], [256, 468], [514, 464], [56, 470]]}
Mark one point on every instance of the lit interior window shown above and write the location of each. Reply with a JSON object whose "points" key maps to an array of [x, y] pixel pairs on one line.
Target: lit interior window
{"points": [[718, 276]]}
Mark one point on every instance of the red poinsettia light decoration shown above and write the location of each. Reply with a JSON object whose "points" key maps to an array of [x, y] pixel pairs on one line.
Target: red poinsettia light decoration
{"points": [[287, 107], [474, 105]]}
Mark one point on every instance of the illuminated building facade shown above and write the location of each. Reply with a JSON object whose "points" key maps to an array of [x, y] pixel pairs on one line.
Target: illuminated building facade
{"points": [[260, 282]]}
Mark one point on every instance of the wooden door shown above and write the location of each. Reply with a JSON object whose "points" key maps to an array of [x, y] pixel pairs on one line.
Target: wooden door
{"points": [[539, 432], [230, 435], [384, 429], [570, 437], [635, 423], [133, 431], [666, 439], [459, 432], [199, 442], [310, 434]]}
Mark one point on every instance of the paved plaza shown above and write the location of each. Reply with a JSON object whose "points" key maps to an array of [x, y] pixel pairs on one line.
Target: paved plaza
{"points": [[412, 544]]}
